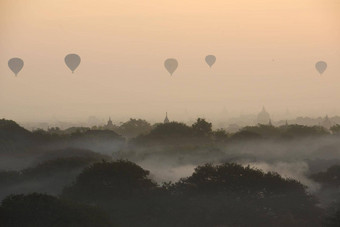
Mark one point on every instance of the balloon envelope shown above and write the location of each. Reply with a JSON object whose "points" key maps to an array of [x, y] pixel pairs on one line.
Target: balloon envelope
{"points": [[72, 61], [171, 65], [321, 66], [15, 64], [210, 59]]}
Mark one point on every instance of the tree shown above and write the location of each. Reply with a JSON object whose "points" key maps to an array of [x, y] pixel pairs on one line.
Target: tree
{"points": [[335, 129], [331, 177], [172, 133], [265, 131], [298, 131], [333, 220], [108, 180], [14, 138], [202, 128], [220, 135], [49, 176], [231, 194], [231, 177], [134, 127], [245, 135], [40, 210]]}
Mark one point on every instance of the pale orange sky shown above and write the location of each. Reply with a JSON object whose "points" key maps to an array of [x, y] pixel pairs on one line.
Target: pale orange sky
{"points": [[266, 51]]}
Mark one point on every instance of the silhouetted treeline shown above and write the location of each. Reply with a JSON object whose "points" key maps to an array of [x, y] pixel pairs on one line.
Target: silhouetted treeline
{"points": [[40, 210], [14, 138], [330, 184], [330, 177], [128, 129], [200, 136], [48, 176], [227, 194], [76, 165]]}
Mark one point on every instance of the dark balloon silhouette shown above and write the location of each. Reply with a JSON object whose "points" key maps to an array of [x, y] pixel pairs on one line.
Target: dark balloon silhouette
{"points": [[321, 66], [210, 59], [171, 65], [72, 61], [15, 64]]}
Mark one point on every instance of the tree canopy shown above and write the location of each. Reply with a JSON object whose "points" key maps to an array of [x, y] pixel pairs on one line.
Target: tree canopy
{"points": [[40, 210], [109, 180]]}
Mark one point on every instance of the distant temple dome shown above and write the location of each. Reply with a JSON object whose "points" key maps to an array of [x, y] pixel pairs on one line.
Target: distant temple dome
{"points": [[263, 117], [166, 120]]}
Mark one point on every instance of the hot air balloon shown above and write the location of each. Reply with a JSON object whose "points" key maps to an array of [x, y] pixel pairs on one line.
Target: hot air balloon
{"points": [[210, 59], [321, 66], [171, 65], [15, 64], [72, 61]]}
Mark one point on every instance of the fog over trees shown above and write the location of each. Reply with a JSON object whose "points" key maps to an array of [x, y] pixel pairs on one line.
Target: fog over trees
{"points": [[172, 113], [170, 174]]}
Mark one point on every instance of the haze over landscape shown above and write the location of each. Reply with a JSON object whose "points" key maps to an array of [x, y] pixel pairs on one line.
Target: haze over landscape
{"points": [[169, 113]]}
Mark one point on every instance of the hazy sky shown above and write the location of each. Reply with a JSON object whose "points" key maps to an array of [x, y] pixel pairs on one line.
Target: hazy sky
{"points": [[266, 51]]}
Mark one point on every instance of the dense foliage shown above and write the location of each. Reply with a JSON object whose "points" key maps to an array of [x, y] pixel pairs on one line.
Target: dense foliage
{"points": [[212, 196], [62, 163], [40, 210]]}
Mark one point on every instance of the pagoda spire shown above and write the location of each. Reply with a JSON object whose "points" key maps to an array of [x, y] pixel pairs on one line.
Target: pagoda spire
{"points": [[166, 120]]}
